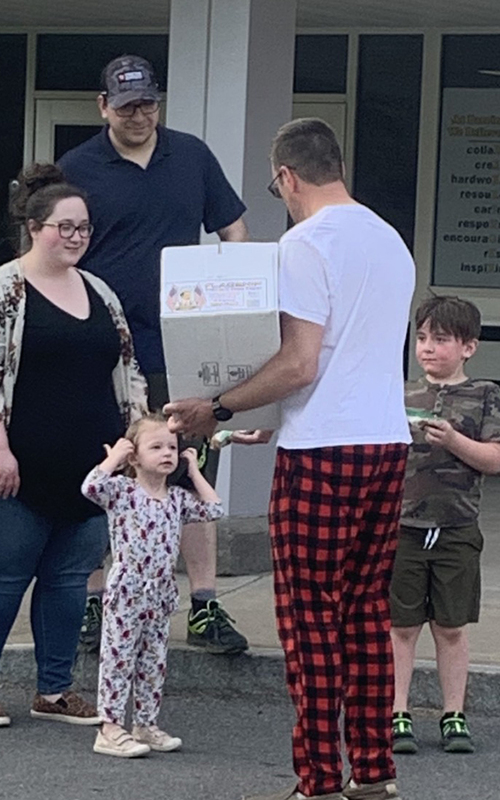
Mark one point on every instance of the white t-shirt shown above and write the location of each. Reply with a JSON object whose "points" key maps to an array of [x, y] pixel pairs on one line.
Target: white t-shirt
{"points": [[348, 270]]}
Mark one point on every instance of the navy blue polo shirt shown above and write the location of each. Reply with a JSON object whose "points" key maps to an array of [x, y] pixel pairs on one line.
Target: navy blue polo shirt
{"points": [[136, 212]]}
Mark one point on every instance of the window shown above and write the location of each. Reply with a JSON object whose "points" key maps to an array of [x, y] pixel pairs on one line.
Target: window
{"points": [[387, 127], [320, 64], [12, 92], [73, 62]]}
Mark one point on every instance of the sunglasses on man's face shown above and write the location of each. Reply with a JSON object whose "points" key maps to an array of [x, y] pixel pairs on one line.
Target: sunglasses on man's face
{"points": [[274, 188], [274, 185]]}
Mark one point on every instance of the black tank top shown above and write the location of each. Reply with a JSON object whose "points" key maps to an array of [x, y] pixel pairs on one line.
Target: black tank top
{"points": [[64, 406]]}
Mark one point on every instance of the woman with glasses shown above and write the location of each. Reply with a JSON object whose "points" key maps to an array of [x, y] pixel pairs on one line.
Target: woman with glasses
{"points": [[68, 385]]}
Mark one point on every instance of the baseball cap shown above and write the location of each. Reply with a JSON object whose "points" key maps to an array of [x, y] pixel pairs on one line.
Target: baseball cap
{"points": [[129, 78]]}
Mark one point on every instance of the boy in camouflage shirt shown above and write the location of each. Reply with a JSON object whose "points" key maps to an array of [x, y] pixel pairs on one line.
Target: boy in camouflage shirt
{"points": [[455, 423]]}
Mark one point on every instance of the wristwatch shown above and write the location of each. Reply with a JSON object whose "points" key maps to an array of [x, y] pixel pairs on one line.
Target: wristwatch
{"points": [[220, 413]]}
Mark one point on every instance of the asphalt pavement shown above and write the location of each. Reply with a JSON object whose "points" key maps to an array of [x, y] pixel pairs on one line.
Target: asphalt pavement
{"points": [[232, 746]]}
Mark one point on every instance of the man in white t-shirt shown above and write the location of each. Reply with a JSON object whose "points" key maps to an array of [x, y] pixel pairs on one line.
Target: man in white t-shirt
{"points": [[346, 282]]}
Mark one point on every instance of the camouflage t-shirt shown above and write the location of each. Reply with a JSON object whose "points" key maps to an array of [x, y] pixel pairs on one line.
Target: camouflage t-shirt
{"points": [[440, 489]]}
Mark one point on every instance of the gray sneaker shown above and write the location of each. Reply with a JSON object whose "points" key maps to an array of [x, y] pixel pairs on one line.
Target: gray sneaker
{"points": [[293, 794], [4, 718], [384, 790]]}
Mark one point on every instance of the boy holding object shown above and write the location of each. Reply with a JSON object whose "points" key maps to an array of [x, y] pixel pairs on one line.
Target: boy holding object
{"points": [[455, 424]]}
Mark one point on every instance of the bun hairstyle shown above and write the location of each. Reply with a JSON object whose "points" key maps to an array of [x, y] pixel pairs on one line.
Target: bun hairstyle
{"points": [[35, 193]]}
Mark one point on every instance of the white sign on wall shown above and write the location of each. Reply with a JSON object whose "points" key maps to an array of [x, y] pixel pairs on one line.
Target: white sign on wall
{"points": [[467, 236]]}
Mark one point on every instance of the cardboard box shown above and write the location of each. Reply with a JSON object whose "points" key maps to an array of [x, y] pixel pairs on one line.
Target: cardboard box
{"points": [[219, 320]]}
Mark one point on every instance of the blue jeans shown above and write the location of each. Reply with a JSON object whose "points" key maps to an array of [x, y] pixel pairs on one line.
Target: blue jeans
{"points": [[61, 556]]}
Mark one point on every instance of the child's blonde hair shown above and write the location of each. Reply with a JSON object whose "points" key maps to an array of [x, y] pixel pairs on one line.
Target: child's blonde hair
{"points": [[134, 431]]}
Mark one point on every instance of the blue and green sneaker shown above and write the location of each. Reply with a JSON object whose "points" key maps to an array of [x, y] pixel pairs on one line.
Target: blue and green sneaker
{"points": [[402, 733], [455, 733], [90, 632], [211, 628]]}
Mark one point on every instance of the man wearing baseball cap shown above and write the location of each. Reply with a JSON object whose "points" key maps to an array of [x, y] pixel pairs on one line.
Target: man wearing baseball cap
{"points": [[151, 187], [128, 79]]}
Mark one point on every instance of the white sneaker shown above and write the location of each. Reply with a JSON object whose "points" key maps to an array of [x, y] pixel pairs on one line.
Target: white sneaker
{"points": [[119, 743], [4, 718], [383, 790], [156, 739]]}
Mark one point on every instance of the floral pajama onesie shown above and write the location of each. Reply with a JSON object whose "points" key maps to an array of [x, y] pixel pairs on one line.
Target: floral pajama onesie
{"points": [[141, 592]]}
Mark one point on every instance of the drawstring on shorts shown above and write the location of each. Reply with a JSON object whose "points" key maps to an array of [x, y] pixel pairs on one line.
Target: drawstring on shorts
{"points": [[431, 538]]}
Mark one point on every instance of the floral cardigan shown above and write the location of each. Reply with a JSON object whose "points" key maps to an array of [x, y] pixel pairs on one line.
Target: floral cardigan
{"points": [[129, 384]]}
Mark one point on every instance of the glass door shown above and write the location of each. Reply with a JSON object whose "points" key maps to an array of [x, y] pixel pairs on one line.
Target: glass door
{"points": [[61, 125], [330, 108]]}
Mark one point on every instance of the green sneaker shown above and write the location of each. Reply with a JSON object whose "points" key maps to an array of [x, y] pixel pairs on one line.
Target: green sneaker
{"points": [[211, 628], [402, 733], [90, 632], [455, 733]]}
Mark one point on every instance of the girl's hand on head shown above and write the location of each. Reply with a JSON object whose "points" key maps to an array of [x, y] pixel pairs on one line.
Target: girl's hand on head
{"points": [[190, 455], [120, 453], [9, 474]]}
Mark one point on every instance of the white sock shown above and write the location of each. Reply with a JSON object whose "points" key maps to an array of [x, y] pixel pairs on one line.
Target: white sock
{"points": [[52, 698]]}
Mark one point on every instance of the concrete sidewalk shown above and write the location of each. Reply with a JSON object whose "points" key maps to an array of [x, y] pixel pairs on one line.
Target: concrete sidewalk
{"points": [[249, 600]]}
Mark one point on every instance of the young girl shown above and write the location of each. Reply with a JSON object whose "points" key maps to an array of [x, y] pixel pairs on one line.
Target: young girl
{"points": [[145, 518]]}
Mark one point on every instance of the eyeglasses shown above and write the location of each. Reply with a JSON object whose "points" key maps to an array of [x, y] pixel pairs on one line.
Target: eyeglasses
{"points": [[129, 109], [273, 187], [67, 229]]}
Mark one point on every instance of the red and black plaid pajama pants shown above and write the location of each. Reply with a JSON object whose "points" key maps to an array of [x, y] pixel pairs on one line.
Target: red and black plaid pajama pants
{"points": [[334, 521]]}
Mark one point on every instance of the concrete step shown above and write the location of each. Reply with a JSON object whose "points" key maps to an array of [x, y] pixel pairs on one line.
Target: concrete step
{"points": [[259, 673], [242, 546], [249, 600]]}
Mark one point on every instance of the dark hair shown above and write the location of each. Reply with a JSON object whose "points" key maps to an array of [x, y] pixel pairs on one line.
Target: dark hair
{"points": [[309, 147], [35, 193], [459, 318]]}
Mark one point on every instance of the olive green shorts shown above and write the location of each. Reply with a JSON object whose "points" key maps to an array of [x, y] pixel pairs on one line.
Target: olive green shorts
{"points": [[442, 583]]}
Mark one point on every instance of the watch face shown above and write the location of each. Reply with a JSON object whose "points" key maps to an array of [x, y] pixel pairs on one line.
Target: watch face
{"points": [[222, 414]]}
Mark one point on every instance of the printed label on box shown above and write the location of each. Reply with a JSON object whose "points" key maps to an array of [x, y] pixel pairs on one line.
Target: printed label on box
{"points": [[247, 294], [210, 373], [239, 372]]}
